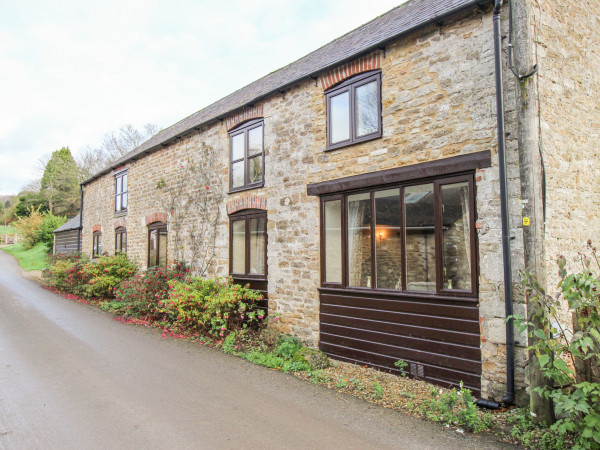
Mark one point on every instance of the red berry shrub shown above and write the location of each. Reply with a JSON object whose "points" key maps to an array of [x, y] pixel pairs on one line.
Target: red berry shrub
{"points": [[143, 292]]}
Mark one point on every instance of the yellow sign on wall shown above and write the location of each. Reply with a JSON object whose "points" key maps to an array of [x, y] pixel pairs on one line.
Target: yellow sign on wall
{"points": [[526, 221]]}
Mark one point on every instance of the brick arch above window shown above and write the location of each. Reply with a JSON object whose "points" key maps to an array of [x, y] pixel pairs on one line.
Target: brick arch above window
{"points": [[365, 63], [120, 224], [247, 202], [97, 227], [156, 217], [253, 112]]}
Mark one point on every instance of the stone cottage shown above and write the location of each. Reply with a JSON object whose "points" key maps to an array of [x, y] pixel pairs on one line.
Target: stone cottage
{"points": [[367, 191]]}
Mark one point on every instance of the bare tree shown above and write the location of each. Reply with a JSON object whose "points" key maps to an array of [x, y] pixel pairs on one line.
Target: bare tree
{"points": [[192, 197], [126, 139], [114, 145]]}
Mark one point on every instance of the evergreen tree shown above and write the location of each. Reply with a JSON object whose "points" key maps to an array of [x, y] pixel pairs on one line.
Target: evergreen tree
{"points": [[29, 200], [60, 185]]}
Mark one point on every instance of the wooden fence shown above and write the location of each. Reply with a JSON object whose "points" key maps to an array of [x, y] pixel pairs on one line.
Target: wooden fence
{"points": [[6, 239]]}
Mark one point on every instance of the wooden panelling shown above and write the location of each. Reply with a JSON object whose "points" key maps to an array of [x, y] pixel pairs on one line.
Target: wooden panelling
{"points": [[439, 338], [66, 241]]}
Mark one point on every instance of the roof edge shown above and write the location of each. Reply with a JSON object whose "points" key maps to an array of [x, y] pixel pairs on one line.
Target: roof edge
{"points": [[418, 26]]}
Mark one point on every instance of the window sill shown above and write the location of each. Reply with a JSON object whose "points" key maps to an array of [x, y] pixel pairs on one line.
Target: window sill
{"points": [[370, 137], [248, 277], [120, 213], [246, 188]]}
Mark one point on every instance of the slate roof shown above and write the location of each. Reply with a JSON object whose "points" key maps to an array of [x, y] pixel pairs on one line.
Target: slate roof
{"points": [[71, 224], [402, 20]]}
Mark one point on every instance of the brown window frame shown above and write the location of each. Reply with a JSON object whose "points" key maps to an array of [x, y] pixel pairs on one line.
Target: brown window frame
{"points": [[96, 244], [119, 233], [122, 193], [158, 227], [437, 182], [350, 86], [245, 216], [244, 129]]}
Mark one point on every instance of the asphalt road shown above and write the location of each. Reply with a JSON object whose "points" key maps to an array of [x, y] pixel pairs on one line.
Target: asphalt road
{"points": [[71, 377]]}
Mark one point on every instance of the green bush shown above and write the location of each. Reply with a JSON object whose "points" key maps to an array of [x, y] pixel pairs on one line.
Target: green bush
{"points": [[105, 274], [569, 360], [215, 306], [533, 435], [28, 227], [456, 408], [45, 233], [76, 274], [67, 273]]}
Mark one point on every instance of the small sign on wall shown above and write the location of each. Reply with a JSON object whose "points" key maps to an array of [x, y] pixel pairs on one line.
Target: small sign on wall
{"points": [[526, 221]]}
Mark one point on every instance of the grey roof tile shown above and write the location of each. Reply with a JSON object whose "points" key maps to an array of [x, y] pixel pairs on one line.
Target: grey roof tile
{"points": [[401, 20], [71, 224]]}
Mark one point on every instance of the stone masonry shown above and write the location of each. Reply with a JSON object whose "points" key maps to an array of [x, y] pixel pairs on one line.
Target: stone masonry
{"points": [[438, 101]]}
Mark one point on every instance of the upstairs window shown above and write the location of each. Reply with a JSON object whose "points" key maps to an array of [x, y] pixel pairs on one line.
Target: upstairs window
{"points": [[96, 244], [120, 240], [121, 192], [247, 156], [354, 111]]}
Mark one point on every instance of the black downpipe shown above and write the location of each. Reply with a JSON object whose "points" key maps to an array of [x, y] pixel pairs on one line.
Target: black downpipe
{"points": [[80, 219], [487, 404], [508, 297]]}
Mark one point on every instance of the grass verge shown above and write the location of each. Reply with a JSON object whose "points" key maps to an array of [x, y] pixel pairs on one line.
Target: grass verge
{"points": [[30, 259], [7, 229]]}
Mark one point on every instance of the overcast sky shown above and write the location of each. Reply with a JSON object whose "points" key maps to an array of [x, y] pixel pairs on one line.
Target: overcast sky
{"points": [[71, 71]]}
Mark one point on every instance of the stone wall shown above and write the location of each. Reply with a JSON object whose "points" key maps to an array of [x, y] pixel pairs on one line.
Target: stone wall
{"points": [[438, 101], [568, 48]]}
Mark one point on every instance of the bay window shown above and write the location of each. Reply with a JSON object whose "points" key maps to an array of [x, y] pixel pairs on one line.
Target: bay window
{"points": [[416, 237]]}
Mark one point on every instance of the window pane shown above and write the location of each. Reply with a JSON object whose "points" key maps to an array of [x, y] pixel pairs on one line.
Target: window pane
{"points": [[333, 241], [124, 242], [119, 185], [255, 141], [367, 111], [125, 183], [255, 169], [162, 247], [237, 147], [420, 238], [388, 243], [237, 176], [238, 246], [257, 246], [124, 201], [340, 117], [359, 240], [456, 236], [152, 249], [118, 203]]}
